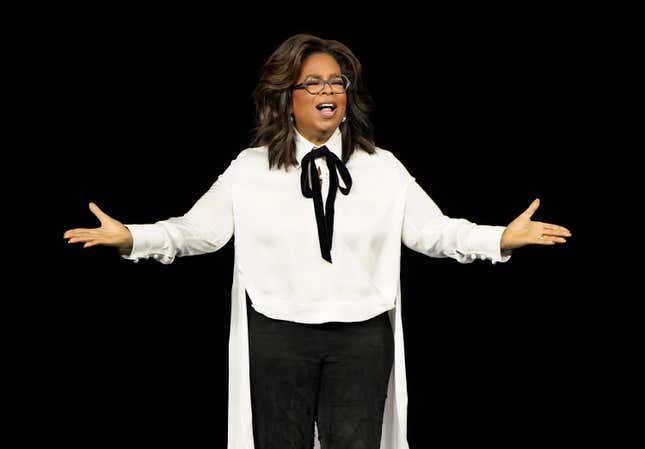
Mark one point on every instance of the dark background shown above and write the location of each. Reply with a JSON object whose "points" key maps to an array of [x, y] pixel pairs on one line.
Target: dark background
{"points": [[138, 106]]}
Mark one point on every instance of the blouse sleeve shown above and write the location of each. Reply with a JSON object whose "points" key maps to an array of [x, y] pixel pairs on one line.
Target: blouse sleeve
{"points": [[205, 228], [428, 231]]}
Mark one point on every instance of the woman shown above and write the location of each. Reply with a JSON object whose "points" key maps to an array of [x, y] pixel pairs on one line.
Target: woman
{"points": [[320, 350]]}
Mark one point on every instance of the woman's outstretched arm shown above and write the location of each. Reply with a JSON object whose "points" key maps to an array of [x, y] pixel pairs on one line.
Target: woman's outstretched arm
{"points": [[428, 231], [206, 227]]}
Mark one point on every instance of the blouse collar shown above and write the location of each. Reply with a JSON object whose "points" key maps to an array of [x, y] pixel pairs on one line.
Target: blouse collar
{"points": [[334, 143]]}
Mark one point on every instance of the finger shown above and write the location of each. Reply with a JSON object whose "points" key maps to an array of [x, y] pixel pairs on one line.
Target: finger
{"points": [[532, 208], [80, 239], [88, 233], [92, 243], [558, 233], [72, 232], [556, 229], [550, 228], [84, 231], [549, 240], [102, 216]]}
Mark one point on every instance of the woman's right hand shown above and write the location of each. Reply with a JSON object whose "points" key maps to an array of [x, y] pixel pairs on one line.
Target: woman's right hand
{"points": [[111, 233]]}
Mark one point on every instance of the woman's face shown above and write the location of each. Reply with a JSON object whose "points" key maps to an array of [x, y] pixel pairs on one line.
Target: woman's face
{"points": [[317, 116]]}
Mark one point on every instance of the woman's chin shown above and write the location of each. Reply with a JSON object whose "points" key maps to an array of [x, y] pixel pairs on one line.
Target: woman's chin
{"points": [[327, 128]]}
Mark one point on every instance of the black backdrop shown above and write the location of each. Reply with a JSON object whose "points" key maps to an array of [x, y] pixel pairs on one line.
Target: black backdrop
{"points": [[138, 106]]}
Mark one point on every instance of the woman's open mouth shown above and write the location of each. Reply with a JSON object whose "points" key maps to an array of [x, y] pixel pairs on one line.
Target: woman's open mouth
{"points": [[327, 109]]}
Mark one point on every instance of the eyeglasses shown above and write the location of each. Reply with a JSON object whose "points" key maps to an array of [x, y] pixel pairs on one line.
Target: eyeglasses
{"points": [[315, 84]]}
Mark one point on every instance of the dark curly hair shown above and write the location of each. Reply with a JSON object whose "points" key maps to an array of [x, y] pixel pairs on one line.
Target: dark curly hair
{"points": [[273, 99]]}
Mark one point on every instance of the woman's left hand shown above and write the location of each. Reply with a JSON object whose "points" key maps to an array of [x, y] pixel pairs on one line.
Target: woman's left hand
{"points": [[523, 231]]}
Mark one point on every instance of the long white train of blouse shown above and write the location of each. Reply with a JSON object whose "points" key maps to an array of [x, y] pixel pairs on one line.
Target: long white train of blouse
{"points": [[240, 418]]}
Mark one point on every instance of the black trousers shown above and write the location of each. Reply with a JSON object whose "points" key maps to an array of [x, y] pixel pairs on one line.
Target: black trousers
{"points": [[333, 373]]}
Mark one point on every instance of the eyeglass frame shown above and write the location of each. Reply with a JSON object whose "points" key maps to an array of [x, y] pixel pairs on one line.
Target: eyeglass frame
{"points": [[324, 82]]}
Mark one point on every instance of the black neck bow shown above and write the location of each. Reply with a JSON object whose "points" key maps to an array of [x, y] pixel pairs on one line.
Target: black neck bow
{"points": [[325, 220]]}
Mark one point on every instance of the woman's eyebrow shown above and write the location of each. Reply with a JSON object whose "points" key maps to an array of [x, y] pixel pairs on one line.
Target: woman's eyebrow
{"points": [[318, 75]]}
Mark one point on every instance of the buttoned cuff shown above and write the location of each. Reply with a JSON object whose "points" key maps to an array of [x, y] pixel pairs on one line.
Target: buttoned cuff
{"points": [[147, 239], [485, 243]]}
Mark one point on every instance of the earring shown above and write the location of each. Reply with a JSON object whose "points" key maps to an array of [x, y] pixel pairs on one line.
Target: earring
{"points": [[344, 119], [292, 117]]}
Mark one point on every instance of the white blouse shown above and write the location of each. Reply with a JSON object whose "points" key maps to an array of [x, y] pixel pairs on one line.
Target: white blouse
{"points": [[278, 256]]}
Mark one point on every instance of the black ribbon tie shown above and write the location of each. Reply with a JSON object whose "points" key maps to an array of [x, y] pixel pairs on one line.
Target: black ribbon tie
{"points": [[309, 176]]}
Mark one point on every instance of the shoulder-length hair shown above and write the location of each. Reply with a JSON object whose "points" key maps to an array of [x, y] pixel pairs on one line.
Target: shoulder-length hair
{"points": [[272, 94]]}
